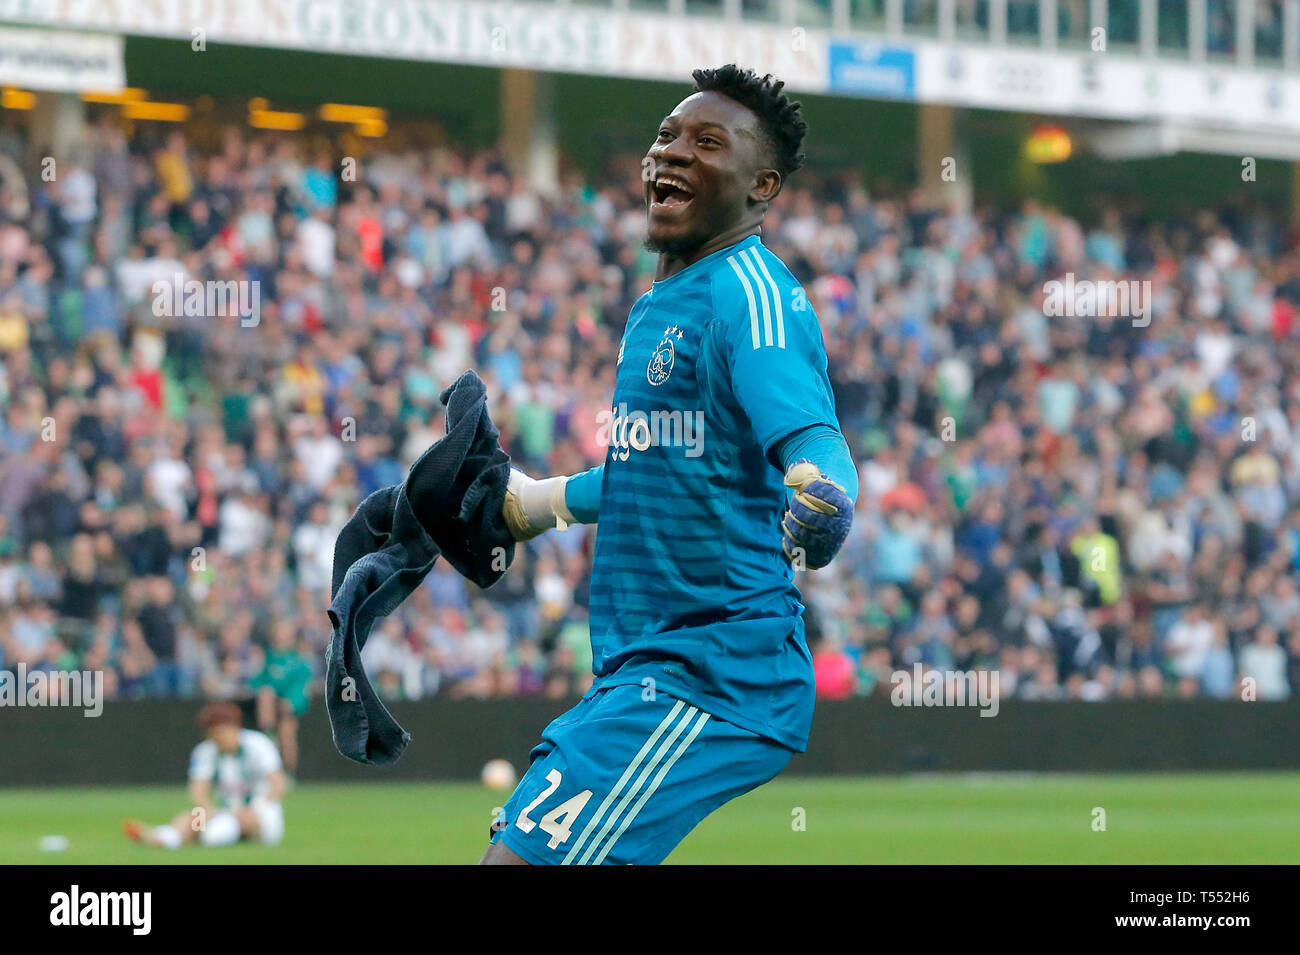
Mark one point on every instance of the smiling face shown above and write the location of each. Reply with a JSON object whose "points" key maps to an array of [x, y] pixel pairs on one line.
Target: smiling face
{"points": [[707, 175]]}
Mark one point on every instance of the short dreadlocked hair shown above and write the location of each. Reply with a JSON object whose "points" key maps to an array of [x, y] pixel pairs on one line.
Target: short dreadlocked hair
{"points": [[780, 117]]}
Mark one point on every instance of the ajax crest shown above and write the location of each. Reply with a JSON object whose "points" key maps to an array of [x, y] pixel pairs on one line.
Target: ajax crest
{"points": [[661, 361]]}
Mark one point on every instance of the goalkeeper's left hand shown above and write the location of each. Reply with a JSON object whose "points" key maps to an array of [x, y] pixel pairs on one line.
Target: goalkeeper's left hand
{"points": [[818, 519]]}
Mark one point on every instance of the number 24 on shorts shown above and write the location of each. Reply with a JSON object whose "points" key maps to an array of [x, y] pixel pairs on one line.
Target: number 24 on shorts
{"points": [[558, 823]]}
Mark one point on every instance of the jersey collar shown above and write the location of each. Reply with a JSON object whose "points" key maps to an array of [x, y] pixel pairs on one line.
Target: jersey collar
{"points": [[704, 262]]}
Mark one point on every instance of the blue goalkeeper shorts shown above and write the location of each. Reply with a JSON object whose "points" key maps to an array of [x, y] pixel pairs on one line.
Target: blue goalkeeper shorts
{"points": [[623, 777]]}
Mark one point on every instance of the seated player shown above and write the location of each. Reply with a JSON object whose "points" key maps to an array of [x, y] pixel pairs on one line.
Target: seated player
{"points": [[244, 768]]}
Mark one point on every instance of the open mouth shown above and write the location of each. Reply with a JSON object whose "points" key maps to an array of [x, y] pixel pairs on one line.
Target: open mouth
{"points": [[670, 193]]}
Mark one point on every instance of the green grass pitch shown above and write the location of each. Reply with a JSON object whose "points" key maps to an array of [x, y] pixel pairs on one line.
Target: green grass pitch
{"points": [[1227, 818]]}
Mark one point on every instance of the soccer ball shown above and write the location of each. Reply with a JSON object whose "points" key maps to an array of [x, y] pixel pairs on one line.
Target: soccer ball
{"points": [[498, 774]]}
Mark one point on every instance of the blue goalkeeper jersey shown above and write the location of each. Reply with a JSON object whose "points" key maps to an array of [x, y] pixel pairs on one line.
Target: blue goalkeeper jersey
{"points": [[690, 588]]}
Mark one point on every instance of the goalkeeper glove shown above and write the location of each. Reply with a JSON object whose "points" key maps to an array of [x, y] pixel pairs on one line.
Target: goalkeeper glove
{"points": [[818, 519], [533, 507]]}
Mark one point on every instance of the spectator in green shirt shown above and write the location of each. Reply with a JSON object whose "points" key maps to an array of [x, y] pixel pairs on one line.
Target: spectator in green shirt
{"points": [[281, 689]]}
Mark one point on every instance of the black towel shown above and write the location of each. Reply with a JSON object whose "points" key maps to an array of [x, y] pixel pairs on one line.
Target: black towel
{"points": [[449, 505]]}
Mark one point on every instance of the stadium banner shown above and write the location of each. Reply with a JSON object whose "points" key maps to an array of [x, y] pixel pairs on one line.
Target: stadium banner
{"points": [[1106, 86], [860, 68], [569, 39], [586, 40], [61, 61]]}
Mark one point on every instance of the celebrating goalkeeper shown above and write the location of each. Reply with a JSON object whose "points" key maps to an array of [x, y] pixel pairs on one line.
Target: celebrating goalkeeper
{"points": [[704, 682]]}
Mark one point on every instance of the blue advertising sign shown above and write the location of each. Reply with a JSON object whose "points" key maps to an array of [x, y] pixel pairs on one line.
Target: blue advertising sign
{"points": [[871, 69]]}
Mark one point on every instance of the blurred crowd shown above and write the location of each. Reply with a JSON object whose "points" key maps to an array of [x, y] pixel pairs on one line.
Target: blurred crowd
{"points": [[1092, 507]]}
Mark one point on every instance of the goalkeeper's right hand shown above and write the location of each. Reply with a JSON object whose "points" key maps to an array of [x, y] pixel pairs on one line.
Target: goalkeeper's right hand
{"points": [[533, 507]]}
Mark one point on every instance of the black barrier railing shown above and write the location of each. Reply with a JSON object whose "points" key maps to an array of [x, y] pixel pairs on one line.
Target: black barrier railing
{"points": [[149, 742]]}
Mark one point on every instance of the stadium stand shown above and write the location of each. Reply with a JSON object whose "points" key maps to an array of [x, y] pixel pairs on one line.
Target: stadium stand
{"points": [[1094, 508]]}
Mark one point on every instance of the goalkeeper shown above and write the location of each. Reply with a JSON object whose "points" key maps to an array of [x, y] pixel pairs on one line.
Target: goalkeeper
{"points": [[726, 473]]}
